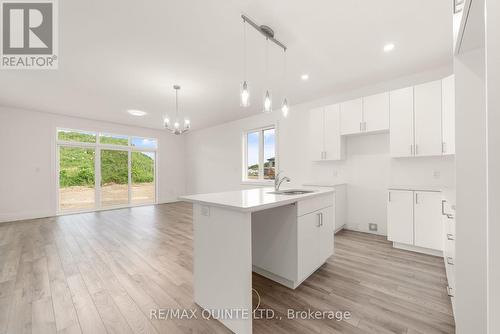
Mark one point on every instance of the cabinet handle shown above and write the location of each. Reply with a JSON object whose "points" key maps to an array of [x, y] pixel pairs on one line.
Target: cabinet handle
{"points": [[324, 155], [449, 290], [416, 149], [411, 149], [389, 196], [319, 219], [449, 260], [416, 198], [360, 126], [450, 236], [442, 207], [443, 147]]}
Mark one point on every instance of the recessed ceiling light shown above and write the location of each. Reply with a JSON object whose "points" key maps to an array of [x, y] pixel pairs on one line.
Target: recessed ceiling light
{"points": [[135, 112], [389, 47], [304, 76]]}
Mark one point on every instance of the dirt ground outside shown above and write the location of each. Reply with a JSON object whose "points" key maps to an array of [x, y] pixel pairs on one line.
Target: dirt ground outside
{"points": [[80, 198]]}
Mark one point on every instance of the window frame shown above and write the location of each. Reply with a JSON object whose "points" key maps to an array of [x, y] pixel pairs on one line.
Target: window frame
{"points": [[260, 180], [97, 146]]}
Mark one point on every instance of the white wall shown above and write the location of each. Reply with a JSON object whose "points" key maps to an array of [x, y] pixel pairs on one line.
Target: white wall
{"points": [[471, 192], [213, 157], [493, 118], [28, 160]]}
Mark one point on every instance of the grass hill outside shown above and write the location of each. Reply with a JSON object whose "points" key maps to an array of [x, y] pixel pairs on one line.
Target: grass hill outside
{"points": [[77, 164]]}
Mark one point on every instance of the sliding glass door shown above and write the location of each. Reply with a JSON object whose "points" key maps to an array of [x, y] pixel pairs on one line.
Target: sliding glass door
{"points": [[143, 177], [98, 171], [114, 178], [76, 178]]}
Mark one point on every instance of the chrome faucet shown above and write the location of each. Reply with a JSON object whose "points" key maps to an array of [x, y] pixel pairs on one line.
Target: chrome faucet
{"points": [[278, 182]]}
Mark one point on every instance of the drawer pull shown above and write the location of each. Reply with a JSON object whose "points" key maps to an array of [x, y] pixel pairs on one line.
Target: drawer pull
{"points": [[449, 290], [450, 236], [449, 260]]}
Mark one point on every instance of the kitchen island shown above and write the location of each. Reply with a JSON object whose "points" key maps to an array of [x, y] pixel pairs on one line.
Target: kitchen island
{"points": [[285, 236]]}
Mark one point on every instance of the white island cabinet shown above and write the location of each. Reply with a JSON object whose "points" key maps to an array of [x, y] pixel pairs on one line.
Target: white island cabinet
{"points": [[283, 237]]}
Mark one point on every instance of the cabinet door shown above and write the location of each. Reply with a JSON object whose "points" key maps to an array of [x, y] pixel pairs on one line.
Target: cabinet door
{"points": [[400, 216], [428, 138], [376, 112], [351, 116], [428, 228], [326, 232], [401, 122], [334, 148], [448, 114], [316, 134], [308, 245]]}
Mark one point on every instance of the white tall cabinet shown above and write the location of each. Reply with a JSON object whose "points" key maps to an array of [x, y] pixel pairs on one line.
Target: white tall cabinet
{"points": [[422, 120], [448, 114], [427, 104], [401, 122], [325, 141]]}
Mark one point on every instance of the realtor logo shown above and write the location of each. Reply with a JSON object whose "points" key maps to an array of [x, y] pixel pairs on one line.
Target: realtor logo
{"points": [[29, 34]]}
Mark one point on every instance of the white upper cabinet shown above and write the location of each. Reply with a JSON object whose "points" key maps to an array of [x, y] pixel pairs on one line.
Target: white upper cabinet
{"points": [[334, 147], [448, 114], [428, 223], [325, 140], [351, 117], [376, 112], [428, 137], [316, 131], [401, 122]]}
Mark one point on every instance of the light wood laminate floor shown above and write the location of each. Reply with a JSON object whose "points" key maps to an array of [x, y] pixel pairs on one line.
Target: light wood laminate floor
{"points": [[104, 272]]}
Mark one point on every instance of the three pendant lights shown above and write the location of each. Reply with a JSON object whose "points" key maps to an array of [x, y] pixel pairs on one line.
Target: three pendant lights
{"points": [[244, 88]]}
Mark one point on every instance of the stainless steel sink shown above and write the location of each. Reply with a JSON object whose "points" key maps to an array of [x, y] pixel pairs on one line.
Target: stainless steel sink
{"points": [[291, 192]]}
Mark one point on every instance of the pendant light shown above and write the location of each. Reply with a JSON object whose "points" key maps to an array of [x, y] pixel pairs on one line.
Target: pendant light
{"points": [[268, 33], [176, 128], [284, 106], [268, 102], [244, 92]]}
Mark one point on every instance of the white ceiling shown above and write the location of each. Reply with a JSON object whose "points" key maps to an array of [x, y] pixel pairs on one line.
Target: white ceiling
{"points": [[126, 54]]}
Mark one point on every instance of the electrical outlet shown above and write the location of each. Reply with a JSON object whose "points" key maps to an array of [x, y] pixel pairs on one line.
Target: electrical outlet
{"points": [[205, 211], [373, 227]]}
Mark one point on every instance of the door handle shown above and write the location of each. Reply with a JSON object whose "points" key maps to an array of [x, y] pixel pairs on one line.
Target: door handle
{"points": [[449, 290]]}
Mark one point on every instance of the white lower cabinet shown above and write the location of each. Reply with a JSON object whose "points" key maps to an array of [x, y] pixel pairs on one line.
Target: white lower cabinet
{"points": [[428, 225], [414, 219], [314, 240], [400, 216], [290, 242]]}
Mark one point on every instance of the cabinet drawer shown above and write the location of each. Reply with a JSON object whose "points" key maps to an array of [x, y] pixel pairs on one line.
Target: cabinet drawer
{"points": [[314, 204]]}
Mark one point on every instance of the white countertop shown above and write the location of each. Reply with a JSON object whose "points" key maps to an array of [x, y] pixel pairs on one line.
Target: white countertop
{"points": [[253, 199], [415, 187], [324, 183]]}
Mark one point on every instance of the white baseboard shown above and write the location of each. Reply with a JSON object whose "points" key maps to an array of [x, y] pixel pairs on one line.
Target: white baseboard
{"points": [[11, 217], [417, 249]]}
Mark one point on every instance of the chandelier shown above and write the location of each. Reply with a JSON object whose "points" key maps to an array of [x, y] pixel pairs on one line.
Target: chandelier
{"points": [[175, 128]]}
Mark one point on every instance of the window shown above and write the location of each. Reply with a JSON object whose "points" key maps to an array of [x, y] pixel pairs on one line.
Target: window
{"points": [[259, 154], [101, 170]]}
